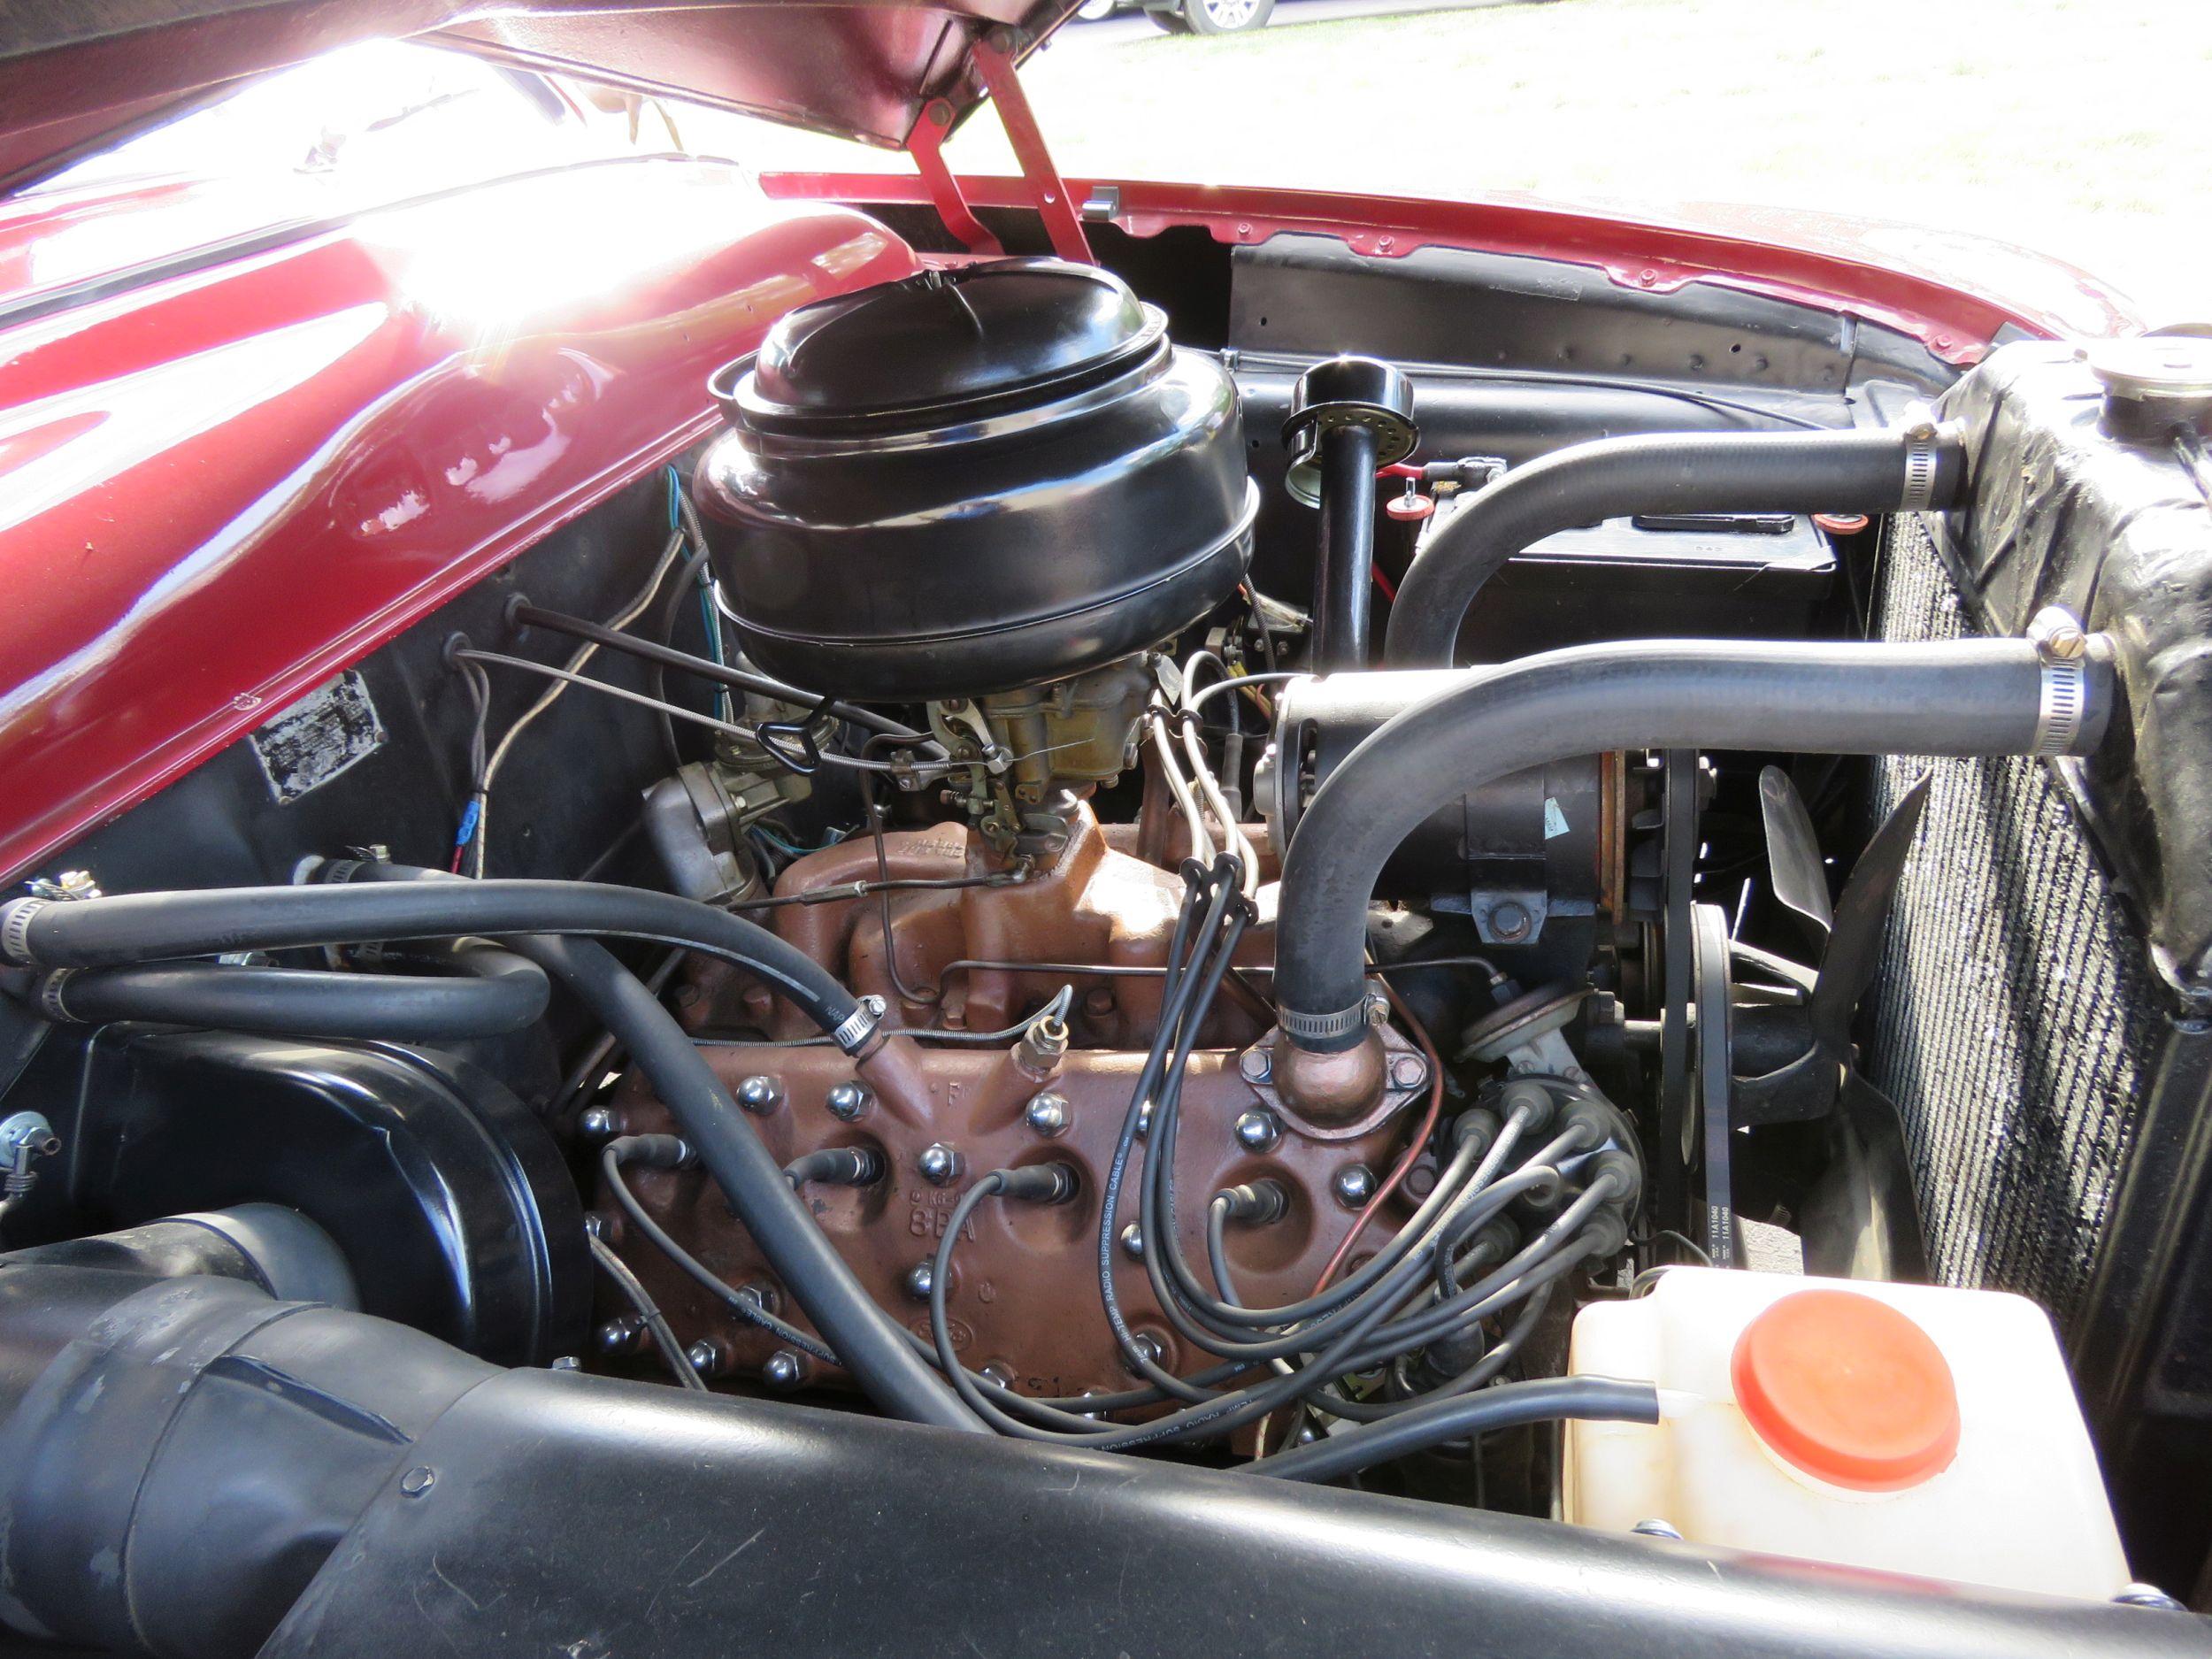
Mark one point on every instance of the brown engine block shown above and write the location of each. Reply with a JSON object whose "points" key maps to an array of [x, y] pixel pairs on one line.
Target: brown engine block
{"points": [[1023, 1296]]}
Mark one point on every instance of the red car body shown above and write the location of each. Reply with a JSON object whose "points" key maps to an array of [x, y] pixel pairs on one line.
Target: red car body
{"points": [[227, 473]]}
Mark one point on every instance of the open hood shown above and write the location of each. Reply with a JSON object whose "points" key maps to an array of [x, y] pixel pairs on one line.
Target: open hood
{"points": [[73, 77]]}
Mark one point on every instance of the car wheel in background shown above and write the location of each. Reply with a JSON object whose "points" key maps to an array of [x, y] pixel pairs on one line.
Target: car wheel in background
{"points": [[1093, 11], [1226, 17], [1170, 21]]}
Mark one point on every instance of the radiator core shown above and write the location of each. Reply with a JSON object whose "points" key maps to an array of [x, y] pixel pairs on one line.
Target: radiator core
{"points": [[2015, 1014]]}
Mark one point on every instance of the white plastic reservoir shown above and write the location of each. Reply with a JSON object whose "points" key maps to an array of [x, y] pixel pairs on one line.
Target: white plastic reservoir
{"points": [[1921, 1430]]}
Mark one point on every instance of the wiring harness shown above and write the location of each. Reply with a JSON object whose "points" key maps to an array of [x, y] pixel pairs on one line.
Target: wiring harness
{"points": [[1551, 1148]]}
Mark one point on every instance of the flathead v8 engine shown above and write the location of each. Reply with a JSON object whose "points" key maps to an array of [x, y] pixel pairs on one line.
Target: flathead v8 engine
{"points": [[1000, 495], [1122, 899]]}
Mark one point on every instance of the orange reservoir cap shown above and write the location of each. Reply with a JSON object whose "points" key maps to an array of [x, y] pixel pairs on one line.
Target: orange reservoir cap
{"points": [[1847, 1389]]}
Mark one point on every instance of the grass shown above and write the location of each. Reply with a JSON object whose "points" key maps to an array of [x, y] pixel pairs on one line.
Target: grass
{"points": [[2076, 127]]}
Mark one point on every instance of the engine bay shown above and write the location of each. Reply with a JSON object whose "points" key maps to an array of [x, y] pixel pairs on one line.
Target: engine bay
{"points": [[1269, 910]]}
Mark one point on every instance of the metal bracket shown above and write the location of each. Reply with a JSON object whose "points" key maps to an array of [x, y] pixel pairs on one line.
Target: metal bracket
{"points": [[1503, 915], [994, 57], [927, 144]]}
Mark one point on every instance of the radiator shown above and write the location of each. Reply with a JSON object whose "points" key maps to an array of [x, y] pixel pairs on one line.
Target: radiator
{"points": [[2015, 1018]]}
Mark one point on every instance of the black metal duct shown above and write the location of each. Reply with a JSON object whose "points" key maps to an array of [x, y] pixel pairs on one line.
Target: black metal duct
{"points": [[182, 1462]]}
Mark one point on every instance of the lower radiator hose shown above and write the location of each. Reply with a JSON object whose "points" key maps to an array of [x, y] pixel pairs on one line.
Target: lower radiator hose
{"points": [[1960, 697], [1883, 471], [192, 1468], [867, 1341], [372, 902]]}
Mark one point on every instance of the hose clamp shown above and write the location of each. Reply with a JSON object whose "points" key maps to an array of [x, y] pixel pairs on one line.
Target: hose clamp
{"points": [[853, 1032], [1923, 457], [2061, 701], [1305, 1029], [50, 995], [15, 929]]}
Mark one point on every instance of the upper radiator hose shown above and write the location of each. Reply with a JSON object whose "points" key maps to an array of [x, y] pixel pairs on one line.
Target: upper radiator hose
{"points": [[2053, 695], [1893, 470]]}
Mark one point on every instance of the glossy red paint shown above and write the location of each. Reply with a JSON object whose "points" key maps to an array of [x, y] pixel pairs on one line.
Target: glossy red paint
{"points": [[217, 490], [72, 72], [996, 61], [927, 147], [1952, 295]]}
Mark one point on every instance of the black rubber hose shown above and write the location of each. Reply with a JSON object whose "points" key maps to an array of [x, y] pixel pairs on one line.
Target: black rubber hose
{"points": [[502, 992], [1671, 473], [399, 902], [583, 1078], [1591, 1399], [135, 927], [874, 1348], [1958, 697], [869, 1343]]}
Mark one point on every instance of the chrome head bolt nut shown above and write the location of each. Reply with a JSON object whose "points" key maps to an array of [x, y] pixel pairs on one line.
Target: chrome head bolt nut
{"points": [[1258, 1131], [785, 1370], [1048, 1115], [1354, 1185], [760, 1093]]}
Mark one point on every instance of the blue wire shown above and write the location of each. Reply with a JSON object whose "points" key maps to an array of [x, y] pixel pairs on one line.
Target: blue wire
{"points": [[713, 625], [709, 619], [788, 848]]}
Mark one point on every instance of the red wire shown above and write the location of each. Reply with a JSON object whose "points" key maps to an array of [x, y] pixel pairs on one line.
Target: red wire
{"points": [[1412, 1154], [1413, 1147], [1383, 582]]}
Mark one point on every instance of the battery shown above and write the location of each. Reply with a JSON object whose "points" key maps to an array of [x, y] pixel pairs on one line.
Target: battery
{"points": [[1689, 575]]}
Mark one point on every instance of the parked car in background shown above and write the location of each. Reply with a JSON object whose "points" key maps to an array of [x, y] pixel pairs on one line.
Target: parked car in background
{"points": [[1188, 17]]}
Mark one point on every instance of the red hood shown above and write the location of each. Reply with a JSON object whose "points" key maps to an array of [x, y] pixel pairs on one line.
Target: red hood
{"points": [[73, 76]]}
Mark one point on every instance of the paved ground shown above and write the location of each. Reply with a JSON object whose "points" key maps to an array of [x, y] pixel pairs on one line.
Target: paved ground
{"points": [[1135, 26], [2078, 127]]}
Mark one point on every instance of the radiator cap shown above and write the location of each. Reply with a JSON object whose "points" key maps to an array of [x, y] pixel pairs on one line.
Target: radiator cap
{"points": [[2152, 382]]}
